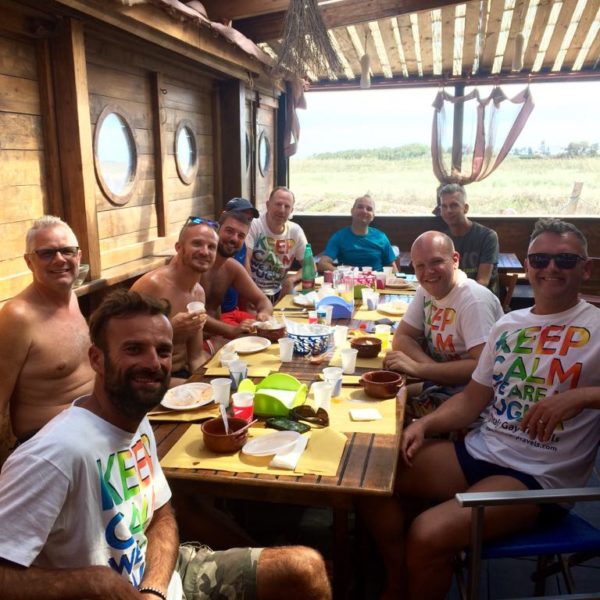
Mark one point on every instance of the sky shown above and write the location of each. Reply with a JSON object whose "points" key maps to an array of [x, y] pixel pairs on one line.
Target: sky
{"points": [[333, 121]]}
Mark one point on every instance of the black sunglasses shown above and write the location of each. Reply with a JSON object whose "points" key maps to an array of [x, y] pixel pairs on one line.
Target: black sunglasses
{"points": [[202, 221], [307, 414], [47, 254], [563, 260]]}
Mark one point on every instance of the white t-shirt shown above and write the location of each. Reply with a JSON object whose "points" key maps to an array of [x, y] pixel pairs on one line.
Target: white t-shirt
{"points": [[528, 357], [82, 492], [272, 254], [457, 322]]}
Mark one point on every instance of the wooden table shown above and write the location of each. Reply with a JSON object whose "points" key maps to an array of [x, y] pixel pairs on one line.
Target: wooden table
{"points": [[507, 261], [368, 467]]}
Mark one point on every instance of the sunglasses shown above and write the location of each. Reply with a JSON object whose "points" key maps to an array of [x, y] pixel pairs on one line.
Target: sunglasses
{"points": [[202, 221], [563, 260], [47, 254], [307, 414]]}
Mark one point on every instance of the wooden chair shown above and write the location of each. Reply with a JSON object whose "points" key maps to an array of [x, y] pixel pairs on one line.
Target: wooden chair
{"points": [[572, 536], [507, 282]]}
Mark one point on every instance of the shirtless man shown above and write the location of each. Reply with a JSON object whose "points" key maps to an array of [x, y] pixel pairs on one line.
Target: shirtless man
{"points": [[44, 338], [178, 282], [226, 273]]}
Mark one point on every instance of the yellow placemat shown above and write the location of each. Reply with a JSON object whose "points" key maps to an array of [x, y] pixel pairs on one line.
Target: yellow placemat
{"points": [[339, 414], [185, 416], [252, 371], [263, 361], [321, 457]]}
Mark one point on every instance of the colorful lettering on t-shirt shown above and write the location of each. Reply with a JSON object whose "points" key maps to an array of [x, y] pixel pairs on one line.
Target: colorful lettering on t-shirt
{"points": [[440, 341]]}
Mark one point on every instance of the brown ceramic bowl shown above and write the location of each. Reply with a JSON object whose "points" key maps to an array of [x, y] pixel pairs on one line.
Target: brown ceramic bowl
{"points": [[382, 384], [215, 438], [368, 347], [273, 335]]}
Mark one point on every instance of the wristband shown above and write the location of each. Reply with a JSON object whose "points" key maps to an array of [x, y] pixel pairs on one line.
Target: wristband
{"points": [[151, 590]]}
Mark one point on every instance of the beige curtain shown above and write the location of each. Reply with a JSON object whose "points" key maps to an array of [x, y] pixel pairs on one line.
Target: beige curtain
{"points": [[490, 128]]}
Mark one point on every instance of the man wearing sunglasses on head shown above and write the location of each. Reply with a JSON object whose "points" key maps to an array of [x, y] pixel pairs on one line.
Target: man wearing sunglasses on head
{"points": [[538, 384], [179, 283], [43, 336]]}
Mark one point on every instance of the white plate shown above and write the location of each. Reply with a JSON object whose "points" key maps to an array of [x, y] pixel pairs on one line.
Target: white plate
{"points": [[249, 344], [396, 308], [271, 443], [187, 396], [300, 300]]}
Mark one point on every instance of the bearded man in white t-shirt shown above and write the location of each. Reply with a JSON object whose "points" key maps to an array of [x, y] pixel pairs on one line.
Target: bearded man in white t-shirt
{"points": [[538, 382]]}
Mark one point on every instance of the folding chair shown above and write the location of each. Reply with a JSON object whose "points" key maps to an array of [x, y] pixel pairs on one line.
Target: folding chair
{"points": [[573, 535]]}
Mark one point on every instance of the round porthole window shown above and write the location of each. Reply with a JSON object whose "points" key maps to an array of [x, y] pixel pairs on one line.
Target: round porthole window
{"points": [[264, 153], [186, 152], [115, 156]]}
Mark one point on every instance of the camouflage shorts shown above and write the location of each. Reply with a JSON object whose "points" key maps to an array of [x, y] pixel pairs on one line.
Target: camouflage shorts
{"points": [[226, 575]]}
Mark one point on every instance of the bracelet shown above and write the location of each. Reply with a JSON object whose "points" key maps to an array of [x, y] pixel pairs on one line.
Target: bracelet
{"points": [[151, 590]]}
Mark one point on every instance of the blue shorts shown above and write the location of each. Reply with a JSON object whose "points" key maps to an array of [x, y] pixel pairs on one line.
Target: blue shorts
{"points": [[475, 470]]}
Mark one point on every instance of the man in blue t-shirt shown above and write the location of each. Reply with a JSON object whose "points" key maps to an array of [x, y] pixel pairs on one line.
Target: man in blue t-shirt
{"points": [[359, 245], [230, 301]]}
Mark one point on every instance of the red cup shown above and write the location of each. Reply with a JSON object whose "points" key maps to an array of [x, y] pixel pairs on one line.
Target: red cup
{"points": [[244, 412]]}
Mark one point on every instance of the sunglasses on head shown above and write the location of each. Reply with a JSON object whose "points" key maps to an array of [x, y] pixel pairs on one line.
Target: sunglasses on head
{"points": [[47, 254], [307, 414], [202, 221], [563, 260]]}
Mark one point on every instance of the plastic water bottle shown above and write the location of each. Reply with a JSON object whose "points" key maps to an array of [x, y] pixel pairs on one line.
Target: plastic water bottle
{"points": [[308, 270]]}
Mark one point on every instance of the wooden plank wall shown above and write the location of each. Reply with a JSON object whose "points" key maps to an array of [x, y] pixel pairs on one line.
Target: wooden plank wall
{"points": [[513, 233], [23, 190]]}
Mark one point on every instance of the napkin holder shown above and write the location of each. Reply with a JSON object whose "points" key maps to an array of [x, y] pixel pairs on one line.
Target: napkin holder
{"points": [[266, 405], [341, 308]]}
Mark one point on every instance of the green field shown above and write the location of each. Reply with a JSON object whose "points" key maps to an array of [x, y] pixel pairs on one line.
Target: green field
{"points": [[531, 186]]}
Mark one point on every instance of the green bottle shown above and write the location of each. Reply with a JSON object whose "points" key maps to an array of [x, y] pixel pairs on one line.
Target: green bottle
{"points": [[308, 270]]}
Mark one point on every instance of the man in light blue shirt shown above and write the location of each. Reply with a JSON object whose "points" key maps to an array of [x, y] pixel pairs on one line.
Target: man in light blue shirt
{"points": [[359, 245]]}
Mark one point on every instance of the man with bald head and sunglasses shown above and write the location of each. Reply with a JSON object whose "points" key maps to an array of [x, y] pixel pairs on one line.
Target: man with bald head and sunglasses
{"points": [[179, 283], [43, 336], [537, 386]]}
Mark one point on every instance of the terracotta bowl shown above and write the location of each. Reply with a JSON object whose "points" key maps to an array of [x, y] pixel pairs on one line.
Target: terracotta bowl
{"points": [[382, 384], [273, 335], [368, 347], [215, 438]]}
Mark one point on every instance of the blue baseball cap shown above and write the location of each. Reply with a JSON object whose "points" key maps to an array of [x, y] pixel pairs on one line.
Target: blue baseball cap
{"points": [[240, 205]]}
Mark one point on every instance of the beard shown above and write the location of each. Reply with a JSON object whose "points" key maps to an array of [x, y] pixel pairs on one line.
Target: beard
{"points": [[121, 391], [225, 253]]}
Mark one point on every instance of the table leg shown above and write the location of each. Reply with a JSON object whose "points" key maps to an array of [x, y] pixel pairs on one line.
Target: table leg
{"points": [[340, 553]]}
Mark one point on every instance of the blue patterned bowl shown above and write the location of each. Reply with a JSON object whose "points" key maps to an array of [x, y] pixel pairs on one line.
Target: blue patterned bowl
{"points": [[312, 343]]}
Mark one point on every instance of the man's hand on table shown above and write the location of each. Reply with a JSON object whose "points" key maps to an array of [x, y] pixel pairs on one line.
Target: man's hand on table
{"points": [[396, 360]]}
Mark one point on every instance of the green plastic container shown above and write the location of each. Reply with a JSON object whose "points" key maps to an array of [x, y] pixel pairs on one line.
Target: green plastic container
{"points": [[266, 404]]}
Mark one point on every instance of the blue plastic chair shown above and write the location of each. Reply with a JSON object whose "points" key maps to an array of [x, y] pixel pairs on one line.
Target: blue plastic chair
{"points": [[572, 536]]}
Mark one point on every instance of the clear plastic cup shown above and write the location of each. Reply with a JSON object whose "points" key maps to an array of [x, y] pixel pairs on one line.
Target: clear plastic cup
{"points": [[238, 370], [333, 376], [388, 270], [221, 388], [348, 360], [195, 306], [243, 405], [340, 333], [286, 349], [328, 313], [322, 394], [383, 333]]}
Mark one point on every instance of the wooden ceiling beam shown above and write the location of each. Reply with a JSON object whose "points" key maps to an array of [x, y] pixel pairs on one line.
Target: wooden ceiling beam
{"points": [[339, 14], [242, 9]]}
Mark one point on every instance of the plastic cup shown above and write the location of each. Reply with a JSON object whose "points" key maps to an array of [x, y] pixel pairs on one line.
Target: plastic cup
{"points": [[383, 333], [238, 370], [286, 349], [333, 376], [195, 306], [340, 333], [327, 276], [380, 278], [372, 300], [328, 314], [322, 394], [243, 405], [366, 270], [221, 388], [312, 317], [227, 358], [388, 270], [365, 295], [348, 360]]}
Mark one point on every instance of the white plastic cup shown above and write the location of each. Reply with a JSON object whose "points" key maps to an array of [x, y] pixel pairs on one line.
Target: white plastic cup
{"points": [[328, 313], [348, 360], [372, 300], [322, 394], [243, 405], [365, 292], [333, 376], [195, 306], [227, 357], [381, 278], [383, 333], [340, 333], [238, 370], [221, 388], [388, 270], [312, 317], [286, 349]]}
